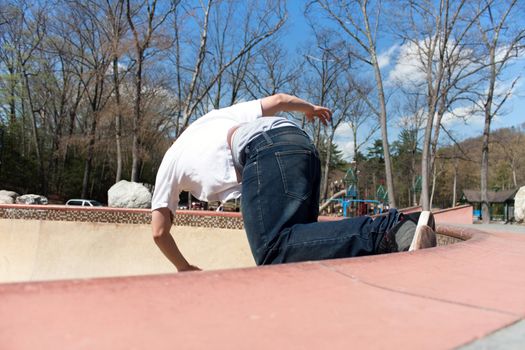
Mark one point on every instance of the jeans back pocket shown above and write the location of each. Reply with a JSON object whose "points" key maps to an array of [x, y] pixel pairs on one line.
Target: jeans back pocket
{"points": [[296, 172]]}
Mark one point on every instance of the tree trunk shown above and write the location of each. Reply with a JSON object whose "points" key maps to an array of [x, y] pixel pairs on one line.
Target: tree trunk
{"points": [[435, 138], [36, 139], [514, 179], [12, 98], [23, 130], [426, 160], [485, 205], [454, 185], [384, 136], [383, 112], [89, 157], [485, 211], [412, 200], [433, 185], [136, 163], [324, 188], [414, 176], [118, 120]]}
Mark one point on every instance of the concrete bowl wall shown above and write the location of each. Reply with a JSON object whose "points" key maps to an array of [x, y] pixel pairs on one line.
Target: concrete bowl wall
{"points": [[50, 242]]}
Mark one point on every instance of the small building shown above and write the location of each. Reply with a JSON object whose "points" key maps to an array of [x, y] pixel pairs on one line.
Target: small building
{"points": [[501, 203]]}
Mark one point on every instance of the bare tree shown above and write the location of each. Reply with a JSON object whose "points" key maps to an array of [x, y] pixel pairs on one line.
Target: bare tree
{"points": [[28, 28], [143, 38], [361, 121], [511, 144], [437, 36], [272, 72], [58, 87], [502, 44], [8, 60], [115, 29], [264, 23], [346, 99], [330, 83], [360, 116], [411, 123], [362, 28], [328, 66], [92, 54]]}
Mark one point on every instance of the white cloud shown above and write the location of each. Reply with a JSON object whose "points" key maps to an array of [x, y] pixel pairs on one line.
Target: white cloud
{"points": [[516, 55], [462, 116], [348, 150], [344, 131], [407, 67], [384, 58], [410, 64], [504, 87], [344, 140]]}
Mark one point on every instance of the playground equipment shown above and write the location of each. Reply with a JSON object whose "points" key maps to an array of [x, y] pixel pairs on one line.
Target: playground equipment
{"points": [[351, 195]]}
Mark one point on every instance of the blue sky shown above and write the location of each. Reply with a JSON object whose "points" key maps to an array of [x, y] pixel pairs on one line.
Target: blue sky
{"points": [[513, 113]]}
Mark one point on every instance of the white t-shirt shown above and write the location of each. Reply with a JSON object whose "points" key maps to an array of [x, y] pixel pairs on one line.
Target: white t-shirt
{"points": [[200, 160]]}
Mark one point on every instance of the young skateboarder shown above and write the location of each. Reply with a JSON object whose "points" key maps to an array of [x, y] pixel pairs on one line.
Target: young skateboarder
{"points": [[246, 148]]}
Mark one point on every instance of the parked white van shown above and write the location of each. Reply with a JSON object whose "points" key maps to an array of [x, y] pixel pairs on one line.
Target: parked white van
{"points": [[84, 202]]}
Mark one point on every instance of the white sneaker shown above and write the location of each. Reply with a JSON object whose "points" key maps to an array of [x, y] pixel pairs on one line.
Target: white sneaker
{"points": [[425, 236]]}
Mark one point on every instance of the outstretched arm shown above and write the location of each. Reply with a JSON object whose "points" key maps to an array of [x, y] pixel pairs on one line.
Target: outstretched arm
{"points": [[288, 103], [161, 225]]}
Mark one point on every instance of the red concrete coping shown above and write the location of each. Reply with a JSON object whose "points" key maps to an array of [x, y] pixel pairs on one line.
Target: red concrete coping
{"points": [[460, 215], [437, 298]]}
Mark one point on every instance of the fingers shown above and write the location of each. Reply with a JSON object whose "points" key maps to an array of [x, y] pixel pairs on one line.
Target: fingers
{"points": [[324, 114]]}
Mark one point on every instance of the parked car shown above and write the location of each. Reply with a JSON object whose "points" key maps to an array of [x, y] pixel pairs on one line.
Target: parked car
{"points": [[197, 206], [84, 202]]}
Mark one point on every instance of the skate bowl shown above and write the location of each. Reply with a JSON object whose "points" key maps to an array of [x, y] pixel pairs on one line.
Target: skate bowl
{"points": [[55, 242], [463, 294]]}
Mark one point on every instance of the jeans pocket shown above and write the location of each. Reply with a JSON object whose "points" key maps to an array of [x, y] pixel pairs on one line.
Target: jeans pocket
{"points": [[296, 172]]}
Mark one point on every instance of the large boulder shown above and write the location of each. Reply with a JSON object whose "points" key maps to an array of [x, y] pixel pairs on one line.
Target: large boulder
{"points": [[31, 199], [519, 205], [8, 197], [125, 194]]}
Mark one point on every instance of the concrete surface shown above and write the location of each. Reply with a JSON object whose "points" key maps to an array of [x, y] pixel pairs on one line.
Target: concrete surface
{"points": [[498, 227], [34, 250], [459, 215], [510, 338], [440, 298]]}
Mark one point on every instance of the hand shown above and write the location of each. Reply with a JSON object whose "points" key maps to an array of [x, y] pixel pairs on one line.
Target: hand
{"points": [[322, 113], [189, 268]]}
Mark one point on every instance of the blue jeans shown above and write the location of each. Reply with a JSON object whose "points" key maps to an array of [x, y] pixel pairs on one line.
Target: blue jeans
{"points": [[280, 205]]}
